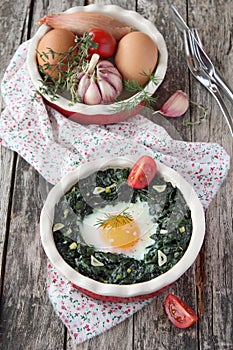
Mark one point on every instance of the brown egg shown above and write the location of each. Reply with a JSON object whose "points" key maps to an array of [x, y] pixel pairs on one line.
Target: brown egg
{"points": [[136, 54], [60, 41]]}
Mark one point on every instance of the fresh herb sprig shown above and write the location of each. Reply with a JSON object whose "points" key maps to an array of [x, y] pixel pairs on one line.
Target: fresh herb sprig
{"points": [[75, 59], [202, 117], [139, 95], [120, 219]]}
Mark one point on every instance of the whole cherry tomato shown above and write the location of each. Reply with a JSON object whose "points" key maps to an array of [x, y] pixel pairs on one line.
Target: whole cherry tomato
{"points": [[106, 43], [179, 313], [142, 172]]}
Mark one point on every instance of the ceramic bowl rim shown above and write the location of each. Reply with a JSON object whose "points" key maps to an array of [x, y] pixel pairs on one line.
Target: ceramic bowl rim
{"points": [[130, 17]]}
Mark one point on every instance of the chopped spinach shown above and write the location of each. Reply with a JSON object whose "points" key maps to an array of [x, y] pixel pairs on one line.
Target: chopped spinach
{"points": [[167, 207]]}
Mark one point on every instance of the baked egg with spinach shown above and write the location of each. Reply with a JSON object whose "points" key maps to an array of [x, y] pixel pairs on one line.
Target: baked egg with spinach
{"points": [[122, 225]]}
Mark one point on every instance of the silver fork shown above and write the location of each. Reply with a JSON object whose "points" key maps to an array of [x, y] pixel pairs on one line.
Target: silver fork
{"points": [[199, 71], [203, 58], [209, 68]]}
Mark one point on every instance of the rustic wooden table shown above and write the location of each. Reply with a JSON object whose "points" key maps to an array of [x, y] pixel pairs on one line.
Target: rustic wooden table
{"points": [[27, 318]]}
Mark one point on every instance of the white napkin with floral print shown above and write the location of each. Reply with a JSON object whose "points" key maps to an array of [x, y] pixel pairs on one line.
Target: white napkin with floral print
{"points": [[54, 145]]}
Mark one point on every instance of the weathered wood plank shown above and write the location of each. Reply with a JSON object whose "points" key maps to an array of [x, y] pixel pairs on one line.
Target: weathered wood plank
{"points": [[24, 296], [215, 327], [214, 23], [11, 27], [7, 165]]}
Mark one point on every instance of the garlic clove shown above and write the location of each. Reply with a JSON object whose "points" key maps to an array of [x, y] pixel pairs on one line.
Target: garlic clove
{"points": [[114, 81], [105, 64], [176, 105], [92, 95], [107, 91], [107, 67], [107, 73], [83, 85]]}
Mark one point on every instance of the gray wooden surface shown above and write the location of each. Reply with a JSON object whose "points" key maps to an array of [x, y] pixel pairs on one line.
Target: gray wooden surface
{"points": [[27, 319]]}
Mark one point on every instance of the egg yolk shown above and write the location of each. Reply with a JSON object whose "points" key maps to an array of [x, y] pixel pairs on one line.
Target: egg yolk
{"points": [[123, 235]]}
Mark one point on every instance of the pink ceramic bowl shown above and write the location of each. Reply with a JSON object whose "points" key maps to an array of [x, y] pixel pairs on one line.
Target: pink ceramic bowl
{"points": [[115, 292], [101, 114]]}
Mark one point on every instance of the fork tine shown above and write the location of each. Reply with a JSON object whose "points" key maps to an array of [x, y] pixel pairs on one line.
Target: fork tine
{"points": [[203, 59], [193, 47], [188, 53], [197, 37], [192, 52]]}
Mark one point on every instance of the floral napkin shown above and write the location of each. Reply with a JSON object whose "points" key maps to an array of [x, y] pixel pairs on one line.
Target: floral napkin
{"points": [[54, 145]]}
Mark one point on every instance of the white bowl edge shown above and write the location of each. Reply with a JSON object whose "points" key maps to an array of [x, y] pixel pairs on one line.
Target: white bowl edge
{"points": [[128, 16]]}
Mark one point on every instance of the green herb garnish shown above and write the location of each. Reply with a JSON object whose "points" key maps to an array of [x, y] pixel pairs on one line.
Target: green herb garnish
{"points": [[121, 219], [76, 61], [139, 95], [202, 117]]}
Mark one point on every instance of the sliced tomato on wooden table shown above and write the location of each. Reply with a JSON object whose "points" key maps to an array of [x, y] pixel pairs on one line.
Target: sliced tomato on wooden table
{"points": [[106, 43], [179, 313], [142, 172]]}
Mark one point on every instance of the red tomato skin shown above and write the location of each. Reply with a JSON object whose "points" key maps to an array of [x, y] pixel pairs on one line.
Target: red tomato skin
{"points": [[142, 172], [106, 43], [178, 312]]}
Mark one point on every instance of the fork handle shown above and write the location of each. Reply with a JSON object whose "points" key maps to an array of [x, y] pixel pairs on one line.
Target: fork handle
{"points": [[224, 87], [215, 92]]}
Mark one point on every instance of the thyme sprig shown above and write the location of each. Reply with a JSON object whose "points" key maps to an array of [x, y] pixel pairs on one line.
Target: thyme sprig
{"points": [[75, 60], [139, 95], [202, 117]]}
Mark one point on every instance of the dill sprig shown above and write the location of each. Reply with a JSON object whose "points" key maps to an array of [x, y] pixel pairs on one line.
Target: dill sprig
{"points": [[118, 220]]}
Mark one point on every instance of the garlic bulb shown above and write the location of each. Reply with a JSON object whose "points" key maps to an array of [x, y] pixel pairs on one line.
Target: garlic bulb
{"points": [[100, 83]]}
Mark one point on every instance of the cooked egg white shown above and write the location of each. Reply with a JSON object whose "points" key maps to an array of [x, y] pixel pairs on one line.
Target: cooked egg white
{"points": [[130, 238]]}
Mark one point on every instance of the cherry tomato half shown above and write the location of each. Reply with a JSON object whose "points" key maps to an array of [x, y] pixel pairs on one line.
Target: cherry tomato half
{"points": [[179, 313], [142, 172], [106, 43]]}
